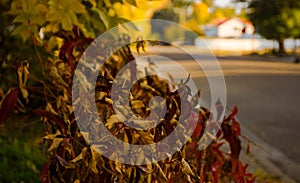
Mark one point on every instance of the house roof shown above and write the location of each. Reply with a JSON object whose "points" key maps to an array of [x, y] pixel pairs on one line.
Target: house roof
{"points": [[219, 22]]}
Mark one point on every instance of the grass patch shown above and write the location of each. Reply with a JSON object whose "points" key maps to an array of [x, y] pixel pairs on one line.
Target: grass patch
{"points": [[21, 156]]}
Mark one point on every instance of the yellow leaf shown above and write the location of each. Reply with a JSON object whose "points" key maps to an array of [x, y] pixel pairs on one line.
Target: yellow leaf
{"points": [[41, 8], [115, 165], [107, 3], [95, 158], [23, 74], [55, 143], [113, 119], [137, 104], [146, 137], [20, 18], [80, 156], [102, 16], [93, 2], [161, 175], [75, 6], [23, 31], [100, 95], [66, 22]]}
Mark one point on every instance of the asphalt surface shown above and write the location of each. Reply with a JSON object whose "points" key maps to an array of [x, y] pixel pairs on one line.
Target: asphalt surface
{"points": [[267, 93]]}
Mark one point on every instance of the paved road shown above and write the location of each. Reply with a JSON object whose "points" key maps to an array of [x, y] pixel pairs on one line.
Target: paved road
{"points": [[267, 94]]}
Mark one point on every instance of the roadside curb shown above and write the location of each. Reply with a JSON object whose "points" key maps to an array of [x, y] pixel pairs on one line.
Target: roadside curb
{"points": [[271, 159], [267, 158]]}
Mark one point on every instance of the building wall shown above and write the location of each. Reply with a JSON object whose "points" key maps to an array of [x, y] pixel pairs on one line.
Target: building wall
{"points": [[238, 44], [231, 28]]}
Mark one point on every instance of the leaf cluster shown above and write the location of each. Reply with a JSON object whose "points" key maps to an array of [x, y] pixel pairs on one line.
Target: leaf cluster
{"points": [[71, 157]]}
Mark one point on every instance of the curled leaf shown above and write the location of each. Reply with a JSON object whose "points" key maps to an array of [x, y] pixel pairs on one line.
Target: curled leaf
{"points": [[23, 73]]}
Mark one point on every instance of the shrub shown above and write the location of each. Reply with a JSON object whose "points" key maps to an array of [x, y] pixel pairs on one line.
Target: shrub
{"points": [[73, 159]]}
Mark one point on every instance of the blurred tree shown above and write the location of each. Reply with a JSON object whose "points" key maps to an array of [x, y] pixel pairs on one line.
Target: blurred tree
{"points": [[201, 12], [276, 20], [219, 13], [169, 11], [166, 14], [142, 9], [209, 3], [181, 3]]}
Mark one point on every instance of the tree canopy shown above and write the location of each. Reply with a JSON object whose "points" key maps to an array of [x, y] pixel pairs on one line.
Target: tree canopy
{"points": [[276, 20]]}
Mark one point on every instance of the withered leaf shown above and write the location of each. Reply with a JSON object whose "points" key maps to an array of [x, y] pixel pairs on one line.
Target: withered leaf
{"points": [[8, 103], [52, 117], [55, 143], [23, 73], [44, 174]]}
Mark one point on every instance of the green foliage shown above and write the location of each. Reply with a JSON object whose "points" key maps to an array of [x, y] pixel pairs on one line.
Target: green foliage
{"points": [[166, 14], [277, 19], [20, 155]]}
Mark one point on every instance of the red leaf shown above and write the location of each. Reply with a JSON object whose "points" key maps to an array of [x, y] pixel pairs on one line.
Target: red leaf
{"points": [[44, 174], [235, 147], [171, 180], [248, 148], [236, 128], [233, 113], [52, 117], [197, 132], [216, 171], [8, 104], [76, 31]]}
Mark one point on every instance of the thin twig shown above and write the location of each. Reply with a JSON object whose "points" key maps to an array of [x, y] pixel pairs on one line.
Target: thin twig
{"points": [[39, 58], [260, 147]]}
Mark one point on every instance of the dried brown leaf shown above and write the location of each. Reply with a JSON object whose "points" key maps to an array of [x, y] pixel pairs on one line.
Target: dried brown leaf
{"points": [[23, 73]]}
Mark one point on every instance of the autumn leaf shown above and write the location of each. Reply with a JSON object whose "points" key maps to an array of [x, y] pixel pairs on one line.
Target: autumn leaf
{"points": [[53, 118], [8, 103], [233, 113], [248, 148], [23, 73], [44, 174]]}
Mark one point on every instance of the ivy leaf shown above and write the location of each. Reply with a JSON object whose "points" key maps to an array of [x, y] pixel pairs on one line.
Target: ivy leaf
{"points": [[7, 104]]}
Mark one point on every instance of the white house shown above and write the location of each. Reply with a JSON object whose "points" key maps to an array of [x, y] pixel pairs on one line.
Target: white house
{"points": [[230, 28]]}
